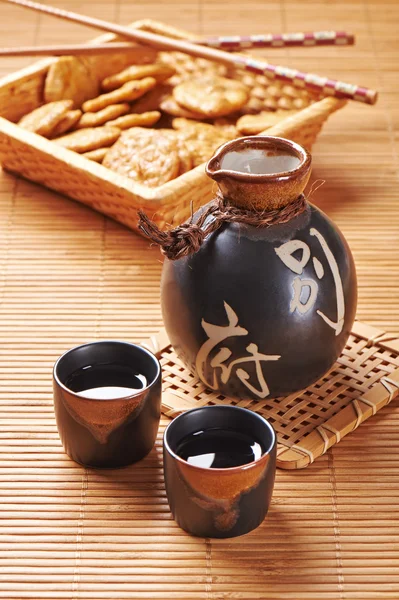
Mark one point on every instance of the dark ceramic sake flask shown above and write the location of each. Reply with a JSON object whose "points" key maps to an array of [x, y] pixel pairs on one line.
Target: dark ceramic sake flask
{"points": [[262, 311]]}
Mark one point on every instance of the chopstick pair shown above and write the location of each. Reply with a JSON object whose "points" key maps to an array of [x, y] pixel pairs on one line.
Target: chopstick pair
{"points": [[315, 83], [229, 43]]}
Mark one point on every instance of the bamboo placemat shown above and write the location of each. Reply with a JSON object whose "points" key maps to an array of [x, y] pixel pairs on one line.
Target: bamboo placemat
{"points": [[67, 275], [364, 379]]}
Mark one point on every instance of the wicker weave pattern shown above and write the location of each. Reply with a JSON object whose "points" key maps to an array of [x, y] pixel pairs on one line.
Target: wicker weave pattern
{"points": [[40, 160], [363, 380]]}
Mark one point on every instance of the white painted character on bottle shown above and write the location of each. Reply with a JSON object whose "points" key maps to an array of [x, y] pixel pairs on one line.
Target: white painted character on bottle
{"points": [[286, 253], [217, 334]]}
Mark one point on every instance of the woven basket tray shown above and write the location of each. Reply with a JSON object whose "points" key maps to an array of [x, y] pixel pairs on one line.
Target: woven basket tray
{"points": [[363, 380], [42, 161]]}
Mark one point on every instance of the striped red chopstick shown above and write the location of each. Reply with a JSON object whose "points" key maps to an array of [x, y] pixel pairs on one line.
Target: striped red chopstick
{"points": [[272, 40], [229, 43], [311, 81]]}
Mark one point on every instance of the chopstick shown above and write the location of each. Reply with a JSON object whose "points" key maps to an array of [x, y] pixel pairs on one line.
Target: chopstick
{"points": [[69, 49], [270, 40], [229, 43], [331, 87]]}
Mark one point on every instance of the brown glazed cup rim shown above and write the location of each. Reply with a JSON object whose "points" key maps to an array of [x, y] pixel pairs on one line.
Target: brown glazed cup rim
{"points": [[95, 343], [227, 470], [214, 170]]}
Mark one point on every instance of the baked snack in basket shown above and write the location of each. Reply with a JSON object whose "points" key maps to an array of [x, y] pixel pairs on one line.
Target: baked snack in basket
{"points": [[158, 71], [171, 107], [96, 155], [117, 61], [69, 78], [153, 99], [44, 119], [136, 120], [211, 96], [145, 155], [94, 119], [91, 138], [202, 139], [185, 157], [68, 121], [128, 92]]}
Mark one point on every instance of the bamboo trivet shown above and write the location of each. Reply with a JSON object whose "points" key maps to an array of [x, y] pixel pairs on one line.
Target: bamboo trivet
{"points": [[363, 380]]}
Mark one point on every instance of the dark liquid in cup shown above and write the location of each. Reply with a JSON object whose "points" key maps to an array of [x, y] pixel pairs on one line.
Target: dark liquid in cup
{"points": [[106, 382], [219, 448]]}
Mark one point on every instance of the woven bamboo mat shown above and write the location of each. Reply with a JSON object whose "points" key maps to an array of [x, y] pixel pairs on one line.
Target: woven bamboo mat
{"points": [[67, 275]]}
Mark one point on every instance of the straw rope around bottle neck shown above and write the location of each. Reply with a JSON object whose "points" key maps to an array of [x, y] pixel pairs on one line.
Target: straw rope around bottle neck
{"points": [[188, 238]]}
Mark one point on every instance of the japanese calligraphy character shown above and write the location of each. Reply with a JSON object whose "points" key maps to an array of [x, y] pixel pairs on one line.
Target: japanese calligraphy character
{"points": [[217, 334], [285, 253]]}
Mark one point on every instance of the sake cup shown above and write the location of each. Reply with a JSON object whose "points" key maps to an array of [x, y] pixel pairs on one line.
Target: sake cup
{"points": [[115, 429], [219, 502]]}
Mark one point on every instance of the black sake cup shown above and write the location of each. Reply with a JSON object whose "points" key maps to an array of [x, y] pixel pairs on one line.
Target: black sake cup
{"points": [[107, 433], [219, 503]]}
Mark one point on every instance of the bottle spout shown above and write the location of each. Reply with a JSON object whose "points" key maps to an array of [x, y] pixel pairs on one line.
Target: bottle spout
{"points": [[261, 172], [213, 169]]}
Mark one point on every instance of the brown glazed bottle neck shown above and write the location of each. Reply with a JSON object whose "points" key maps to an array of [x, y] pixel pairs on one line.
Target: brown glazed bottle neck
{"points": [[260, 172]]}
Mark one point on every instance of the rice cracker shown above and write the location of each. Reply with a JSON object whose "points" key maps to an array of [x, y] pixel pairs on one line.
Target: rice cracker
{"points": [[96, 155], [141, 120], [144, 155], [211, 96], [67, 122], [44, 119], [170, 106], [128, 92], [115, 62], [91, 138], [202, 139], [152, 100], [159, 71], [226, 127], [95, 119], [185, 158], [69, 78]]}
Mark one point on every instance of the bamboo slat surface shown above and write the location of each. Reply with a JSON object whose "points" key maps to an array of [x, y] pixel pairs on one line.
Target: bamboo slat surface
{"points": [[68, 275]]}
